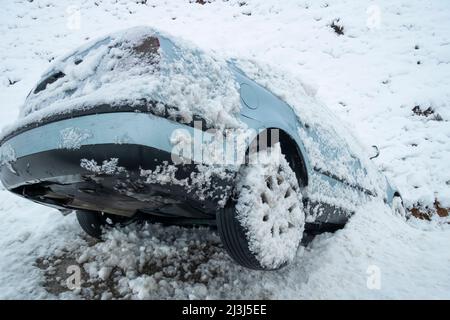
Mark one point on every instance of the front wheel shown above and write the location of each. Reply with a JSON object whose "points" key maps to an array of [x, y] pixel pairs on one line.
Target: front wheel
{"points": [[262, 227]]}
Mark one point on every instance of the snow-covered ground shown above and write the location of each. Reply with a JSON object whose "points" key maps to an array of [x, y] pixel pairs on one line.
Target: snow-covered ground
{"points": [[391, 57]]}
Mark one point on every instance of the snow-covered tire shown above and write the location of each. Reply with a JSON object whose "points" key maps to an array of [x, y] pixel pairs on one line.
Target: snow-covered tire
{"points": [[261, 228], [93, 222]]}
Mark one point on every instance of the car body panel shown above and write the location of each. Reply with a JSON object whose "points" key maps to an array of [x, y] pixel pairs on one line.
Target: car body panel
{"points": [[260, 109], [115, 128]]}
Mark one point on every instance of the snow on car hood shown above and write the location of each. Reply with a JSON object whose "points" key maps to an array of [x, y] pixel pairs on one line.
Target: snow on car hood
{"points": [[136, 65]]}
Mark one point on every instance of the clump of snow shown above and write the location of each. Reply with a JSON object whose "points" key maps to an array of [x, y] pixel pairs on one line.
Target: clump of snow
{"points": [[106, 167], [163, 174], [204, 180], [270, 208], [7, 156], [324, 191], [72, 138]]}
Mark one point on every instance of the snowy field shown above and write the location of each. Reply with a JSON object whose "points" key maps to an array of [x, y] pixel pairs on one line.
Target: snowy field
{"points": [[383, 67]]}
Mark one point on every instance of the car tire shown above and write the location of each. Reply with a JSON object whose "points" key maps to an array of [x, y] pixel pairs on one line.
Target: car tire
{"points": [[262, 226], [93, 223]]}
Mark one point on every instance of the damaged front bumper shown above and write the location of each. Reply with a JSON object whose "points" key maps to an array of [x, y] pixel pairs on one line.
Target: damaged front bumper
{"points": [[119, 163]]}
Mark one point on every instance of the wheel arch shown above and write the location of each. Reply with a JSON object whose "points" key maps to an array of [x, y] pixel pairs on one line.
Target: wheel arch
{"points": [[289, 147]]}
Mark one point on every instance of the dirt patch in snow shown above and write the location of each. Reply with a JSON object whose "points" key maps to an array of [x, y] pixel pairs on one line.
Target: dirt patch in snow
{"points": [[57, 271], [131, 263], [426, 213], [151, 261]]}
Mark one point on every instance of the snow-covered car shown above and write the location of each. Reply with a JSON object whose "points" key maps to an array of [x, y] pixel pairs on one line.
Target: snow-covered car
{"points": [[140, 124]]}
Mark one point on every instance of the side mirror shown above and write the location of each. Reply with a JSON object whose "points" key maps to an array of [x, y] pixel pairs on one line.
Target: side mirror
{"points": [[375, 152]]}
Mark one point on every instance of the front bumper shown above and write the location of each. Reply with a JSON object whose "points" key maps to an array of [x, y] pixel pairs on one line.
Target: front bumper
{"points": [[44, 164]]}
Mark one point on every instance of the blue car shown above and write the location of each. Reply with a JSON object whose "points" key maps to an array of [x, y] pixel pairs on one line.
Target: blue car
{"points": [[141, 125]]}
